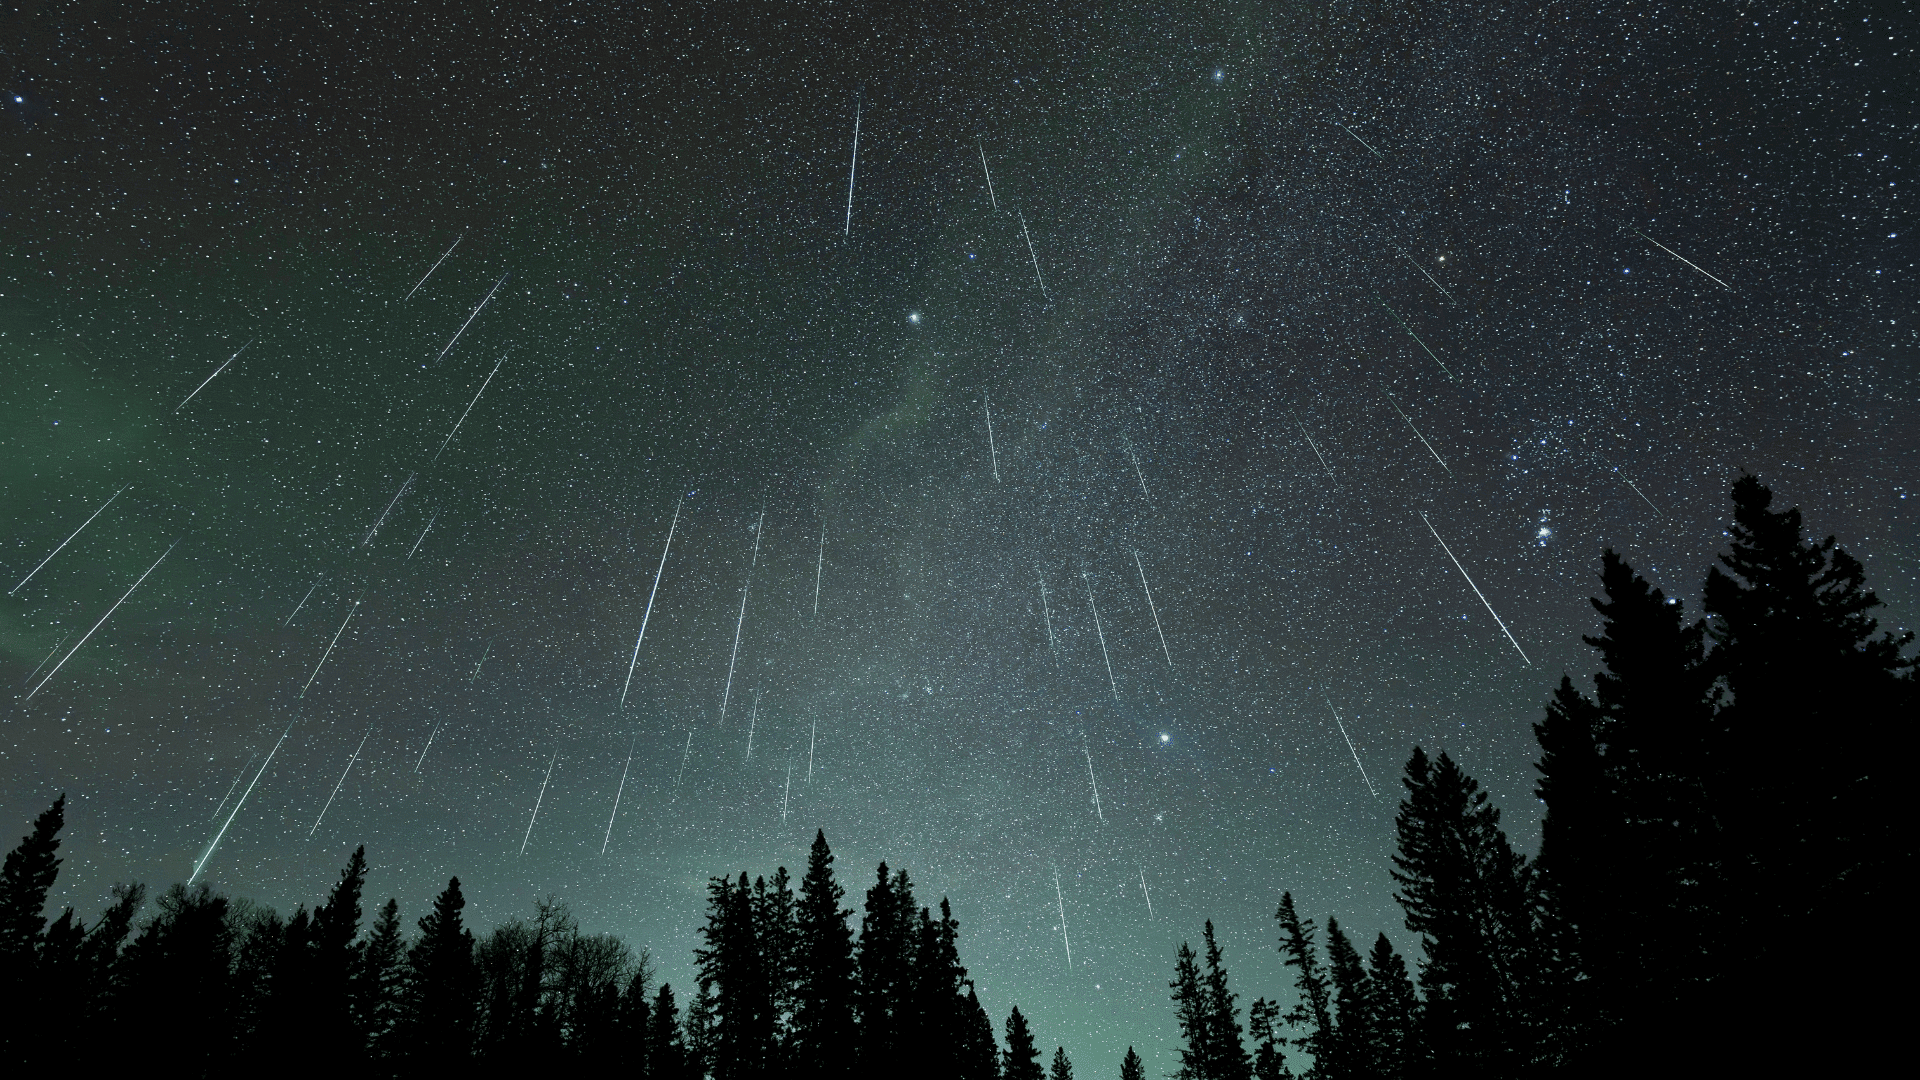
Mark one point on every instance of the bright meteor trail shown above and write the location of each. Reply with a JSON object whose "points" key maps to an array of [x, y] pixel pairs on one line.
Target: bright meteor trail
{"points": [[64, 543], [661, 569], [1476, 590], [103, 620]]}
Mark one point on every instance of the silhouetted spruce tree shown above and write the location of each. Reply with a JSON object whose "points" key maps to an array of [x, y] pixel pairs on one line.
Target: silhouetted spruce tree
{"points": [[1313, 1012], [734, 984], [666, 1044], [76, 978], [1396, 1010], [1818, 839], [177, 990], [823, 1042], [1268, 1063], [259, 950], [25, 879], [1131, 1068], [629, 1051], [441, 984], [377, 982], [1022, 1060], [1061, 1069], [1464, 892], [777, 920], [886, 974], [1629, 845], [975, 1051], [1190, 1013], [1229, 1054], [1353, 1034], [333, 956], [939, 1011]]}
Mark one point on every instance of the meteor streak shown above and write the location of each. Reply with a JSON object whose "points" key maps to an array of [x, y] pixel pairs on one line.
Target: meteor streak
{"points": [[1103, 635], [811, 740], [1350, 749], [1417, 435], [786, 795], [470, 405], [1099, 813], [330, 645], [1317, 453], [1673, 253], [64, 543], [1415, 337], [616, 795], [1156, 611], [44, 659], [1476, 590], [102, 622], [1429, 277], [231, 788], [661, 569], [684, 755], [423, 535], [1061, 899], [819, 566], [1033, 256], [429, 746], [1047, 612], [989, 172], [391, 503], [1631, 484], [1358, 139], [210, 378], [853, 169], [336, 786], [1138, 475], [742, 620], [482, 660], [984, 404], [537, 800], [208, 854], [476, 312], [1145, 893], [752, 720], [303, 600], [431, 269]]}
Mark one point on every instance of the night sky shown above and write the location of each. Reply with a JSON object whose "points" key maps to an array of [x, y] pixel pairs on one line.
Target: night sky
{"points": [[1226, 247]]}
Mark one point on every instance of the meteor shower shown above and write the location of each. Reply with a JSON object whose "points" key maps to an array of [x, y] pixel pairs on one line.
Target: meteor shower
{"points": [[1024, 541]]}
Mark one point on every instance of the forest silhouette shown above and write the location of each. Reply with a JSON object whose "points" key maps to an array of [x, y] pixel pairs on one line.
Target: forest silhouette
{"points": [[1718, 854]]}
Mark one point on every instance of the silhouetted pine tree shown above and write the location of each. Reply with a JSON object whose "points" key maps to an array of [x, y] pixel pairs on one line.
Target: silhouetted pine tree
{"points": [[1464, 892], [25, 879], [1061, 1069], [777, 921], [377, 983], [823, 1024], [1396, 1011], [76, 978], [666, 1045], [332, 955], [1131, 1068], [1354, 1041], [635, 1019], [1228, 1053], [885, 960], [1313, 1012], [1268, 1064], [177, 989], [734, 985], [1022, 1060], [939, 1013], [974, 1049], [441, 986], [1190, 1013]]}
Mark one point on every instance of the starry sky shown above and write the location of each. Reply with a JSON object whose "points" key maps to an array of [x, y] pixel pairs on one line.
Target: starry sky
{"points": [[1276, 310]]}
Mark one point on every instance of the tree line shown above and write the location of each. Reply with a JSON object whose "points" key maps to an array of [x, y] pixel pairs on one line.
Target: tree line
{"points": [[1712, 817]]}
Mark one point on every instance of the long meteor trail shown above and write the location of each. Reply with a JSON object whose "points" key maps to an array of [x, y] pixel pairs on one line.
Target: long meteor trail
{"points": [[1060, 898], [1164, 651], [235, 786], [102, 622], [988, 406], [853, 169], [1358, 139], [330, 645], [661, 569], [431, 269], [1140, 476], [1417, 435], [1681, 257], [1047, 612], [304, 599], [1476, 590], [208, 854], [215, 375], [423, 535], [68, 540], [1103, 635], [470, 405], [983, 168], [429, 746], [1099, 813], [1035, 257], [727, 694], [608, 839], [336, 786], [1643, 496], [819, 566], [1145, 893], [455, 340], [1317, 453], [1429, 277], [537, 800], [391, 503], [1416, 338], [1350, 749]]}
